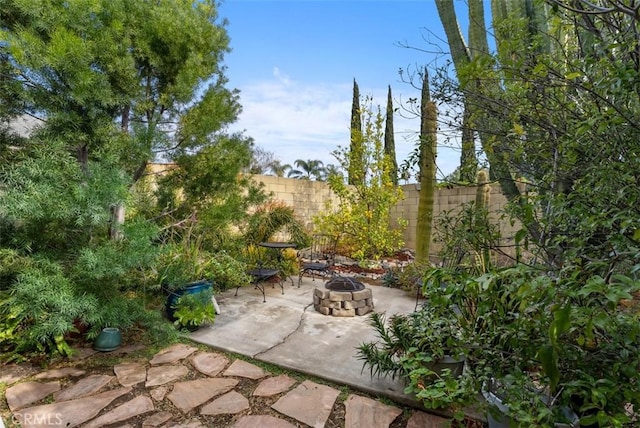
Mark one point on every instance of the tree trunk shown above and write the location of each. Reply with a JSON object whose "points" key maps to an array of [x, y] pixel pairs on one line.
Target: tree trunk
{"points": [[460, 53], [118, 211]]}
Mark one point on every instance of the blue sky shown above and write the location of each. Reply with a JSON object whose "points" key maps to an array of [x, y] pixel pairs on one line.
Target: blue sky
{"points": [[294, 62]]}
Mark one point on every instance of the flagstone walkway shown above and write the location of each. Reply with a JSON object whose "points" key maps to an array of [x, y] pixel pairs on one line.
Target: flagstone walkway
{"points": [[182, 386]]}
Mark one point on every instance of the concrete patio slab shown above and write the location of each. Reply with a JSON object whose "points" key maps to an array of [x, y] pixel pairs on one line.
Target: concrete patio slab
{"points": [[288, 332]]}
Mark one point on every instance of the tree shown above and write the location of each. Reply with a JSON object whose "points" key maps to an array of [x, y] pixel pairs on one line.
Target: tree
{"points": [[556, 107], [333, 170], [362, 219], [89, 67], [309, 169], [355, 173], [476, 87], [462, 55], [428, 154], [261, 161], [558, 102], [279, 169], [389, 139], [119, 84]]}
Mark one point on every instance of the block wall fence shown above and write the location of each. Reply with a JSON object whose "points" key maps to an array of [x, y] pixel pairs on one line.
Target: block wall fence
{"points": [[308, 198]]}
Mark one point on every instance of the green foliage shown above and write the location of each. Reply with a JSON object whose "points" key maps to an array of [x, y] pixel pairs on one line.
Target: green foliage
{"points": [[90, 62], [556, 342], [40, 308], [289, 263], [183, 262], [396, 338], [389, 139], [362, 219], [186, 261], [407, 278], [59, 265], [273, 218], [119, 84], [54, 203], [285, 260], [556, 107], [468, 237], [194, 309], [356, 168], [412, 347], [228, 272], [207, 194]]}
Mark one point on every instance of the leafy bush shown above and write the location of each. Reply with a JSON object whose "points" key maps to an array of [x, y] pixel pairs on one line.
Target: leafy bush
{"points": [[40, 309], [272, 218], [362, 219], [194, 309], [468, 238], [227, 272], [411, 347], [407, 278], [566, 338], [181, 263], [285, 260], [59, 265]]}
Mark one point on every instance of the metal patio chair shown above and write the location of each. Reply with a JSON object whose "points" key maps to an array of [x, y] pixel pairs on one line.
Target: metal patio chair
{"points": [[319, 259], [260, 276]]}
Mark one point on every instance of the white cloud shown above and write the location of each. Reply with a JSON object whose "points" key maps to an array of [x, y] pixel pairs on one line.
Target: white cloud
{"points": [[303, 121]]}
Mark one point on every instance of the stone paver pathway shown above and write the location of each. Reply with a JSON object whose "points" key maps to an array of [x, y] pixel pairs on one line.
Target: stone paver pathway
{"points": [[185, 388]]}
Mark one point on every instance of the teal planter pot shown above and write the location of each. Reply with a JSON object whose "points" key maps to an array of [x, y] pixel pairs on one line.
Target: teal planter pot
{"points": [[109, 339], [191, 288]]}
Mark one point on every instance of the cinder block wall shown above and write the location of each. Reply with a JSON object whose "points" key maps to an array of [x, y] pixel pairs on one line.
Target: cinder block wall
{"points": [[308, 198]]}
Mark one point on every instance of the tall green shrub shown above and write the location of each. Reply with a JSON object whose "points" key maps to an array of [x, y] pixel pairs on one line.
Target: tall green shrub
{"points": [[63, 266], [355, 171], [362, 217]]}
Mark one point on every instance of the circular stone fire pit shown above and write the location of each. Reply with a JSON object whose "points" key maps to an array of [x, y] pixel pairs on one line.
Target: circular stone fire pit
{"points": [[343, 297]]}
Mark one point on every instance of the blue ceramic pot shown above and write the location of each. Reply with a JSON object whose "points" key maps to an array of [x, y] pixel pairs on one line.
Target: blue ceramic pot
{"points": [[191, 288], [109, 339]]}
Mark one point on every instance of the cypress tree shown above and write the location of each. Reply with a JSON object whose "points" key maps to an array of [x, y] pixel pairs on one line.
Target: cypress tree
{"points": [[356, 167], [389, 141]]}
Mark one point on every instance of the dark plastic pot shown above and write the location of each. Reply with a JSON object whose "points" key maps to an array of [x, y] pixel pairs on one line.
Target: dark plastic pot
{"points": [[456, 366], [497, 414], [191, 288]]}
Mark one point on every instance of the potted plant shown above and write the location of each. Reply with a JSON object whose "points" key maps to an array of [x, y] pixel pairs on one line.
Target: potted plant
{"points": [[181, 264], [192, 310], [424, 349], [183, 268], [406, 335], [520, 400]]}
